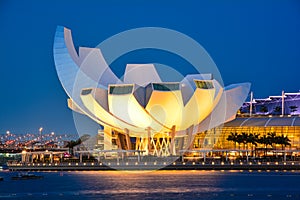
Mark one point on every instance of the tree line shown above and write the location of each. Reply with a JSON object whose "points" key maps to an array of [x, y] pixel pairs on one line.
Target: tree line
{"points": [[269, 139]]}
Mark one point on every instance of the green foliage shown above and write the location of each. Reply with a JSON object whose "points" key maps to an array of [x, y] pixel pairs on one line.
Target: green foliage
{"points": [[293, 108], [277, 109], [270, 139], [263, 109], [71, 144]]}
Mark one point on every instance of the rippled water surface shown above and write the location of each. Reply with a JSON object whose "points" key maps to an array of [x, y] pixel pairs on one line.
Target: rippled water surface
{"points": [[154, 185]]}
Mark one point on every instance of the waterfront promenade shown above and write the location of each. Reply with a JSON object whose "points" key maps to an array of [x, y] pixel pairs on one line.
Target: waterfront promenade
{"points": [[90, 166]]}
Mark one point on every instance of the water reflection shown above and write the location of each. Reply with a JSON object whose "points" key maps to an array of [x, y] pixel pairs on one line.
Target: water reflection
{"points": [[156, 185]]}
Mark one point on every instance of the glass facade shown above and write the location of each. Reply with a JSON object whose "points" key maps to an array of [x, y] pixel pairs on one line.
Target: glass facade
{"points": [[221, 134]]}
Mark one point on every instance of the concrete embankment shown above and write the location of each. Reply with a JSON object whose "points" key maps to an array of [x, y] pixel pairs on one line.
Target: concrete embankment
{"points": [[152, 166]]}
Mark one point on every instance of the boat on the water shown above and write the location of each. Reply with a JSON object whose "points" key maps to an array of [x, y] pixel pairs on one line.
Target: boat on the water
{"points": [[26, 176], [3, 167]]}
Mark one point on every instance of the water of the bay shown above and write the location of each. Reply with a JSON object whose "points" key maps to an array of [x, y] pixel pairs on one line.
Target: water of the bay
{"points": [[154, 185]]}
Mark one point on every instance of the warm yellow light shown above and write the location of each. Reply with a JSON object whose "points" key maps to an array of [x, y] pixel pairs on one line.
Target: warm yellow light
{"points": [[166, 107], [93, 106]]}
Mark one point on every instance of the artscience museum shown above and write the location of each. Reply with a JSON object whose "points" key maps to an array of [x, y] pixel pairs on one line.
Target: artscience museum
{"points": [[140, 111]]}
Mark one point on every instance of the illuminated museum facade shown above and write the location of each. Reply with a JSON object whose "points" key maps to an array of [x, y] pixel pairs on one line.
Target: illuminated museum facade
{"points": [[140, 111]]}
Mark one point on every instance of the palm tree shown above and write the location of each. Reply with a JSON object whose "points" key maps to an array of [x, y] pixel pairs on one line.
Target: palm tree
{"points": [[283, 141], [265, 141], [253, 139], [71, 144], [233, 137], [85, 137], [245, 139], [272, 138], [239, 140]]}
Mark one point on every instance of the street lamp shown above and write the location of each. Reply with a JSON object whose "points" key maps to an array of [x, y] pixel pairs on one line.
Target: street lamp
{"points": [[52, 136], [41, 129], [7, 134]]}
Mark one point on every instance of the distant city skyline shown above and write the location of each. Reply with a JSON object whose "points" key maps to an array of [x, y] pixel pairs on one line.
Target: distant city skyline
{"points": [[250, 41]]}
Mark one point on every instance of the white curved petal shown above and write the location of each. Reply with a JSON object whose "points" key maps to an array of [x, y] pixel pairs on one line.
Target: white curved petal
{"points": [[231, 100], [72, 105], [93, 64], [201, 104], [141, 74], [95, 100], [70, 75]]}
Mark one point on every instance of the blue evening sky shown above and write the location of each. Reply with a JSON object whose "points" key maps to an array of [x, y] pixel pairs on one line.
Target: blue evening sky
{"points": [[250, 41]]}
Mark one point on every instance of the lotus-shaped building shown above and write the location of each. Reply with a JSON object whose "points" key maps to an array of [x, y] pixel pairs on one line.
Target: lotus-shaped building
{"points": [[141, 111]]}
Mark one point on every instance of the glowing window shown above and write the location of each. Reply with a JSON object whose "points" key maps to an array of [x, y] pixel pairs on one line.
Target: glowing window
{"points": [[86, 91], [118, 90], [204, 84], [166, 86]]}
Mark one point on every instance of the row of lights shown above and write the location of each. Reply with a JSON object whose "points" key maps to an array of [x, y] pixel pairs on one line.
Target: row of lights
{"points": [[136, 163]]}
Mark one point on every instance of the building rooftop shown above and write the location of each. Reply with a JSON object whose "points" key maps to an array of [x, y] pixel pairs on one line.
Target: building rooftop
{"points": [[264, 121]]}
